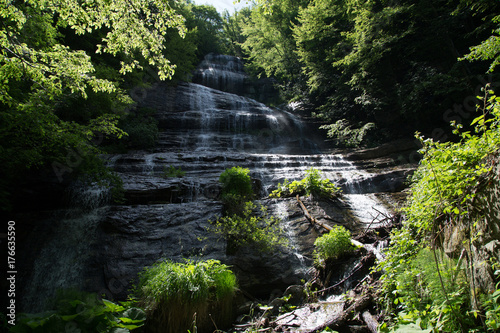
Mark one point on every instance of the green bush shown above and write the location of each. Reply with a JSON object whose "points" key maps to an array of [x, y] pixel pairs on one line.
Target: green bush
{"points": [[445, 193], [237, 181], [246, 228], [333, 245], [172, 171], [312, 184], [236, 189], [173, 293], [82, 312], [435, 299]]}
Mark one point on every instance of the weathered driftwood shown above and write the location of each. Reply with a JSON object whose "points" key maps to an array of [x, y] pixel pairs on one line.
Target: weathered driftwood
{"points": [[359, 305], [310, 217], [367, 261], [370, 321]]}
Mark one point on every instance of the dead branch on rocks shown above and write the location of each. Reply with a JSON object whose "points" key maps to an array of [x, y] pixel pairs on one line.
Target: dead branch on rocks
{"points": [[367, 260], [359, 305], [315, 221], [310, 217]]}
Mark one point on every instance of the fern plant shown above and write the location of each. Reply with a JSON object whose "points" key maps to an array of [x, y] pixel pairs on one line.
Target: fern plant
{"points": [[82, 312], [172, 293]]}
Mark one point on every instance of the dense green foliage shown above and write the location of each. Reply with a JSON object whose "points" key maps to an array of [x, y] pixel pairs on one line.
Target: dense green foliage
{"points": [[82, 312], [236, 189], [444, 194], [333, 245], [269, 40], [249, 227], [391, 63], [232, 36], [422, 299], [242, 224], [236, 181], [172, 293], [312, 184]]}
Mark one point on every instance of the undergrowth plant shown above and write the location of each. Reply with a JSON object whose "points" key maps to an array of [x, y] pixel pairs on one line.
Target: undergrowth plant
{"points": [[332, 245], [76, 311], [312, 184], [436, 296], [172, 172], [250, 227], [173, 293], [236, 189], [444, 196], [491, 303]]}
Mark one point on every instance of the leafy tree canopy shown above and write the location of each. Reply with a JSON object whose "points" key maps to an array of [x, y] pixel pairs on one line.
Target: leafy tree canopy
{"points": [[384, 62], [133, 27], [43, 68]]}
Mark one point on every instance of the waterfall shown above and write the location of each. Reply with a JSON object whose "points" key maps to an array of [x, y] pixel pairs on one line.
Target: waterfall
{"points": [[281, 211], [69, 236], [205, 127]]}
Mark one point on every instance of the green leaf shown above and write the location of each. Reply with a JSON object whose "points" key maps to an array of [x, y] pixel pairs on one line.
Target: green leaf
{"points": [[133, 316], [70, 317], [112, 307], [130, 326], [480, 118]]}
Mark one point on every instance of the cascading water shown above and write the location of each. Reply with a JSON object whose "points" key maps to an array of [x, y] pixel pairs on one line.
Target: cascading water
{"points": [[205, 129], [69, 236]]}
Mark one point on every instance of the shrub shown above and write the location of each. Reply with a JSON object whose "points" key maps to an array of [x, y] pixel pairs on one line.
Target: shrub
{"points": [[173, 293], [312, 184], [432, 298], [172, 171], [82, 312], [262, 230], [236, 189], [446, 192], [334, 244], [237, 181]]}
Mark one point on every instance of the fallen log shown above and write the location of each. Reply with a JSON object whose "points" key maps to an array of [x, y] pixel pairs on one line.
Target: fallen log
{"points": [[315, 221], [310, 217], [359, 305], [366, 262], [370, 321]]}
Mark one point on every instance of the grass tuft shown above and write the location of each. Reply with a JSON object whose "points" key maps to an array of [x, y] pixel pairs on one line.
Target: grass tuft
{"points": [[175, 293]]}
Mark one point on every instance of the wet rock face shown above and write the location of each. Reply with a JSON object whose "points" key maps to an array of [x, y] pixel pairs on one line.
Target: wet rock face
{"points": [[227, 73], [132, 237]]}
